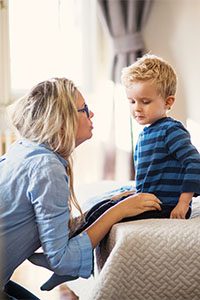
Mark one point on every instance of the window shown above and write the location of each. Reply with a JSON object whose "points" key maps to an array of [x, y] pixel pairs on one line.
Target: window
{"points": [[40, 39], [43, 36], [46, 40]]}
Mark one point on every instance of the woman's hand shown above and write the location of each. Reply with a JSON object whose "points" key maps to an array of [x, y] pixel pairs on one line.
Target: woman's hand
{"points": [[131, 206], [138, 203], [123, 194]]}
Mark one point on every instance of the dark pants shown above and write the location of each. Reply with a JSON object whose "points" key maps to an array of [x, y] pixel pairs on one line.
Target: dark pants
{"points": [[14, 291], [97, 210]]}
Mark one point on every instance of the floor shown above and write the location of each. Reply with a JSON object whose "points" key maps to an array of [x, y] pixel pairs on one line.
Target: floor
{"points": [[32, 277]]}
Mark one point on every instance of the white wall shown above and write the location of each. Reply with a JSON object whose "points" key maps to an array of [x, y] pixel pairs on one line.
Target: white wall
{"points": [[173, 32]]}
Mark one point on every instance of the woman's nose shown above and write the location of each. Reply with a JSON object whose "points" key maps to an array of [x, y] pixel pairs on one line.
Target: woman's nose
{"points": [[91, 114]]}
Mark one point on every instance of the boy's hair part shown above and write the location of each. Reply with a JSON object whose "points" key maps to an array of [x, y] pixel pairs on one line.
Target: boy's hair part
{"points": [[153, 68]]}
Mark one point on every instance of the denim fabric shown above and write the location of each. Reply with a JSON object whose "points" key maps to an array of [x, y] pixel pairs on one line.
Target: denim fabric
{"points": [[34, 212]]}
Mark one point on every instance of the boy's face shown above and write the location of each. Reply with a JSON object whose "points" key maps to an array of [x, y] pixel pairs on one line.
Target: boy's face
{"points": [[146, 105]]}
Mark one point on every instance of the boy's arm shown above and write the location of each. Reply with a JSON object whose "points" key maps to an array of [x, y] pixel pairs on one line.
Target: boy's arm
{"points": [[178, 143], [179, 212]]}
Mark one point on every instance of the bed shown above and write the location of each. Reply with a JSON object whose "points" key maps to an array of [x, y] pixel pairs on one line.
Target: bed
{"points": [[149, 259]]}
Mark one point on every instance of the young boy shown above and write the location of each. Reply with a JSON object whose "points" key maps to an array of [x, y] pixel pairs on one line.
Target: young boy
{"points": [[166, 162]]}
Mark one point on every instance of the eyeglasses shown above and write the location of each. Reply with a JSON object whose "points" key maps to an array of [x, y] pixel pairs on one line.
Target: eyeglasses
{"points": [[85, 109]]}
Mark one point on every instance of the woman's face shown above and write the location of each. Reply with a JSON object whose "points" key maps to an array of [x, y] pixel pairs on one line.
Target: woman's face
{"points": [[84, 131]]}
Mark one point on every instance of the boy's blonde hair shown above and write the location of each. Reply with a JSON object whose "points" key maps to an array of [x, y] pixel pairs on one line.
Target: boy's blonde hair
{"points": [[48, 114], [155, 69]]}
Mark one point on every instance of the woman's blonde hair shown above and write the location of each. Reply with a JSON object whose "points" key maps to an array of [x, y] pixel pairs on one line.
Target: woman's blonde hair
{"points": [[154, 68], [48, 114]]}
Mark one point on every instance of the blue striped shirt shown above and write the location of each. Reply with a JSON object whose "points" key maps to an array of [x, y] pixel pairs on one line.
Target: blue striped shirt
{"points": [[34, 212], [166, 162]]}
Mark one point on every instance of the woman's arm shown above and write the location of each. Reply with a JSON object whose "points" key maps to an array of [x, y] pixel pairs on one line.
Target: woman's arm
{"points": [[48, 193], [131, 206]]}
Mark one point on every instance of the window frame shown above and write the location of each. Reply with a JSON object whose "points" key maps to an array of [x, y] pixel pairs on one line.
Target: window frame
{"points": [[5, 88]]}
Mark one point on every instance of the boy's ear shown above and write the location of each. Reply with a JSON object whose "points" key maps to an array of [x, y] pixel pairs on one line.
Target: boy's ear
{"points": [[169, 101]]}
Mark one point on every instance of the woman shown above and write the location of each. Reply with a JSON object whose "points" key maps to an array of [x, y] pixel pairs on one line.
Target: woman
{"points": [[36, 186]]}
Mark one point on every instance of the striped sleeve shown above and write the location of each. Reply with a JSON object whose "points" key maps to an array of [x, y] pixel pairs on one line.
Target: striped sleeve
{"points": [[180, 147]]}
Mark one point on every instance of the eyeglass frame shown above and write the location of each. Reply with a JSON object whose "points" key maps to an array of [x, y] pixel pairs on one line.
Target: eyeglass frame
{"points": [[85, 109]]}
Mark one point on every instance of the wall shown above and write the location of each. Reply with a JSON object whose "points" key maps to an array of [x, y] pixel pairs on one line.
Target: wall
{"points": [[172, 31]]}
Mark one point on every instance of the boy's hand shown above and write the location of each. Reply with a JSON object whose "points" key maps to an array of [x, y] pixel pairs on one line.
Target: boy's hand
{"points": [[180, 211]]}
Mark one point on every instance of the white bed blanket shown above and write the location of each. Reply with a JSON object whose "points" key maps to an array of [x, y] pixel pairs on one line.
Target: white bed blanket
{"points": [[150, 259], [155, 259]]}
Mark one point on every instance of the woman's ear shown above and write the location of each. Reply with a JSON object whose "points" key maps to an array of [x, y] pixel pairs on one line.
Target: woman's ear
{"points": [[169, 102]]}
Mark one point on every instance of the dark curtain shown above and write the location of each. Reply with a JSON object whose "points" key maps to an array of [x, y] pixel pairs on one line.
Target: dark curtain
{"points": [[123, 20]]}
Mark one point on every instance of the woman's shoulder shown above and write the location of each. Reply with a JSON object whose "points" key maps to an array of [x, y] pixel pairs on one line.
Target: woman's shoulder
{"points": [[34, 155]]}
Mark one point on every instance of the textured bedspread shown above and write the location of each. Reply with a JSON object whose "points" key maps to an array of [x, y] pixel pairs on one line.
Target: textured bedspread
{"points": [[150, 260]]}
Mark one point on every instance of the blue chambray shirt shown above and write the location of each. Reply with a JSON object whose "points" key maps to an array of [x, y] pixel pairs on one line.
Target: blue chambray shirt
{"points": [[34, 212]]}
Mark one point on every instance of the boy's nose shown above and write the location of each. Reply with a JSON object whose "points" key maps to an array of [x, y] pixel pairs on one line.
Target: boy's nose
{"points": [[137, 107]]}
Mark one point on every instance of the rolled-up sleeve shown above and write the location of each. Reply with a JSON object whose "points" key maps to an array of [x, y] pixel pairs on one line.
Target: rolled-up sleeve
{"points": [[48, 192]]}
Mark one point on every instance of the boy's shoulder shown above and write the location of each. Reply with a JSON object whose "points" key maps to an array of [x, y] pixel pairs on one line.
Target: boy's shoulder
{"points": [[163, 127], [171, 124], [167, 123]]}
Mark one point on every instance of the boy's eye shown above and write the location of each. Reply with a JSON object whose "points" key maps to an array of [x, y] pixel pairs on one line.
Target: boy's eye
{"points": [[146, 101], [131, 101]]}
